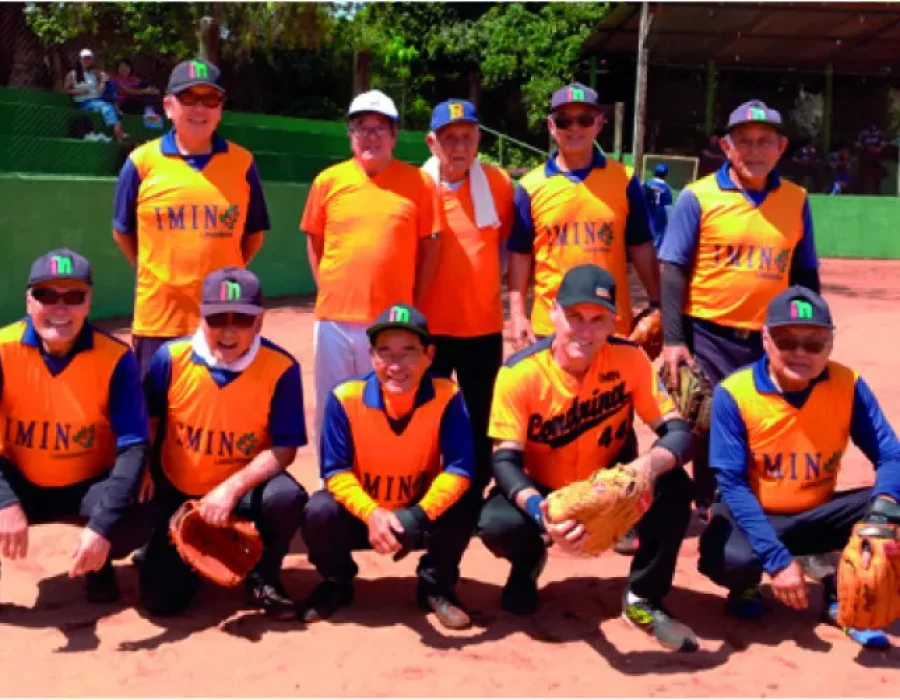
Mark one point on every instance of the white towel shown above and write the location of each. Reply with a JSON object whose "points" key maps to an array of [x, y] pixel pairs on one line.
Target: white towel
{"points": [[482, 197], [201, 347]]}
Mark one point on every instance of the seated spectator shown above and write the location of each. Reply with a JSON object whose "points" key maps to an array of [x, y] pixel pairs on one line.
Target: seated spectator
{"points": [[86, 84], [805, 163], [840, 163], [134, 95], [871, 143]]}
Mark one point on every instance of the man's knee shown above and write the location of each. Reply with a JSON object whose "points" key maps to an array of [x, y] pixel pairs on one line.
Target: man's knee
{"points": [[726, 557], [283, 502], [321, 514], [504, 529]]}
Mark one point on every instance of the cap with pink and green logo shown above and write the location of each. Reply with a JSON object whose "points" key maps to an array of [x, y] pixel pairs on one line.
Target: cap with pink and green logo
{"points": [[231, 290]]}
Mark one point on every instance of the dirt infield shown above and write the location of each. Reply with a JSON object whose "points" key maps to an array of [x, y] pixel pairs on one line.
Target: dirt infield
{"points": [[55, 644]]}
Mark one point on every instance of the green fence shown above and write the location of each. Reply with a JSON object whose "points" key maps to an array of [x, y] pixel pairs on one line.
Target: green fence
{"points": [[38, 213]]}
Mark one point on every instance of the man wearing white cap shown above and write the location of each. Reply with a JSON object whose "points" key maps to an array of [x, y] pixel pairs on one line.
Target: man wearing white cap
{"points": [[372, 237]]}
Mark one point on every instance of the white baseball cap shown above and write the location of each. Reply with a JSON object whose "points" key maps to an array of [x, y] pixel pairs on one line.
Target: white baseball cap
{"points": [[374, 101], [86, 53]]}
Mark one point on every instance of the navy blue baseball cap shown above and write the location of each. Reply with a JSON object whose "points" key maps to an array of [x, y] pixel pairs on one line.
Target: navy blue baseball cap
{"points": [[799, 306], [400, 317], [60, 264], [587, 284], [231, 290], [188, 74], [574, 93], [755, 112], [661, 169], [452, 112]]}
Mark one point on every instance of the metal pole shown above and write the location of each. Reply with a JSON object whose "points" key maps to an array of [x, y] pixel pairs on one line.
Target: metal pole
{"points": [[619, 128], [827, 107], [640, 91], [710, 96]]}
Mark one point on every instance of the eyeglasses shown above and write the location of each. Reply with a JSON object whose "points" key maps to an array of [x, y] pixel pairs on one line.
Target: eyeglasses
{"points": [[764, 144], [207, 99], [811, 346], [564, 121], [50, 297], [379, 132], [228, 319], [405, 357]]}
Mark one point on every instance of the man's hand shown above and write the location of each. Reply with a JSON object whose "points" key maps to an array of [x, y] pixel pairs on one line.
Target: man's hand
{"points": [[673, 357], [13, 532], [217, 506], [522, 335], [789, 586], [568, 534], [147, 488], [91, 553], [382, 526]]}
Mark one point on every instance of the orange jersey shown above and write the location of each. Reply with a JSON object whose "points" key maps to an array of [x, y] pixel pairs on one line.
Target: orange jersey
{"points": [[794, 454], [573, 220], [740, 252], [396, 461], [62, 419], [464, 298], [188, 223], [571, 428], [214, 422], [371, 228]]}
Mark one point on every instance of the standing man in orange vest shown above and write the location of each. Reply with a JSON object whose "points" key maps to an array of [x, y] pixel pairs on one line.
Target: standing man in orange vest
{"points": [[736, 238], [780, 429], [186, 204], [372, 229], [463, 304]]}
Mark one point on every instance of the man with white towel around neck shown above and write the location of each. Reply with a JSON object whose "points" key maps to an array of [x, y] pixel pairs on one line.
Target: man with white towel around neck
{"points": [[463, 304]]}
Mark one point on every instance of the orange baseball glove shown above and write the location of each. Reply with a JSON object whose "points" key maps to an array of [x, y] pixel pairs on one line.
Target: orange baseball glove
{"points": [[224, 555], [868, 577], [609, 503], [647, 331]]}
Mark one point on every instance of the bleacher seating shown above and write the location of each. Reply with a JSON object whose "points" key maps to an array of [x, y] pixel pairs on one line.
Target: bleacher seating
{"points": [[36, 136]]}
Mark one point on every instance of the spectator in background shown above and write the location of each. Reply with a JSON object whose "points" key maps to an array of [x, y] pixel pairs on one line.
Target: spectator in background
{"points": [[805, 164], [840, 163], [871, 143], [86, 84], [134, 95], [711, 157], [659, 200]]}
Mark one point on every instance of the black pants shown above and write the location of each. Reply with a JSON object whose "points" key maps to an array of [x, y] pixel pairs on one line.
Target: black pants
{"points": [[76, 504], [332, 533], [510, 534], [727, 558], [476, 362], [145, 347], [719, 353], [168, 584]]}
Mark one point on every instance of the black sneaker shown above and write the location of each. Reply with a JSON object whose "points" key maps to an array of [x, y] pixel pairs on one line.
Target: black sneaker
{"points": [[326, 600], [272, 598], [656, 621], [520, 594], [450, 611], [101, 586]]}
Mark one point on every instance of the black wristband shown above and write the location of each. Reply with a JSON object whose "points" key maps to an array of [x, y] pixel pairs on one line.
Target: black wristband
{"points": [[675, 436], [883, 511], [509, 471]]}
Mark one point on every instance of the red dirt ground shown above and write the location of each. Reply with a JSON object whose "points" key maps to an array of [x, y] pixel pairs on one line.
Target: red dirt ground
{"points": [[56, 644]]}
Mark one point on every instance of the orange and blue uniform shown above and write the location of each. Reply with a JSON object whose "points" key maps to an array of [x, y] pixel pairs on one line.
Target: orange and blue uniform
{"points": [[570, 427], [565, 219], [214, 422], [190, 215], [779, 454], [64, 420]]}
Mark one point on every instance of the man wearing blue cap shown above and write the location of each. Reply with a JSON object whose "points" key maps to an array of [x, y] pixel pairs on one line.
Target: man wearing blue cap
{"points": [[736, 239], [463, 304], [780, 430], [659, 199]]}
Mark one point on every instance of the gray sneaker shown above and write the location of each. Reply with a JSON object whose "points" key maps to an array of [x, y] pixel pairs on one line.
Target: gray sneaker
{"points": [[656, 621]]}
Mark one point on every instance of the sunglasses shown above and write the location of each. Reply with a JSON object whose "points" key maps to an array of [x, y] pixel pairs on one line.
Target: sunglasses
{"points": [[50, 297], [229, 319], [564, 121], [207, 99], [809, 345]]}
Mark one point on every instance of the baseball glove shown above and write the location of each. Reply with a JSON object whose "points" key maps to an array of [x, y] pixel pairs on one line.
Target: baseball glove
{"points": [[868, 576], [647, 331], [224, 555], [609, 503], [693, 397]]}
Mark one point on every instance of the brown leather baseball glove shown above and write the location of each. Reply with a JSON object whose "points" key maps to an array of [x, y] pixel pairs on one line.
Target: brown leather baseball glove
{"points": [[647, 331], [693, 397], [609, 503], [224, 555], [868, 577]]}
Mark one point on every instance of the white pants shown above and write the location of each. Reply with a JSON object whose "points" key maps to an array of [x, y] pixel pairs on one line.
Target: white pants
{"points": [[341, 350]]}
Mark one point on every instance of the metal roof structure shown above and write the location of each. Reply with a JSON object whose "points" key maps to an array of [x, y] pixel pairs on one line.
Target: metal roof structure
{"points": [[862, 38]]}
